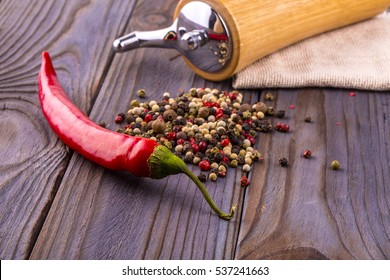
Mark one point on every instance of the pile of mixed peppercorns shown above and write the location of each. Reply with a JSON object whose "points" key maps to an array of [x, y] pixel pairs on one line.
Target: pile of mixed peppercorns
{"points": [[209, 128]]}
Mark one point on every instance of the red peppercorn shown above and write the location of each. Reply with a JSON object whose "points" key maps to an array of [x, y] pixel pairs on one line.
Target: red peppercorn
{"points": [[204, 165], [233, 96], [118, 119], [285, 127], [251, 139], [219, 116], [195, 147], [307, 154], [180, 141], [171, 136], [244, 181], [148, 118], [225, 142], [226, 160], [202, 146], [282, 127]]}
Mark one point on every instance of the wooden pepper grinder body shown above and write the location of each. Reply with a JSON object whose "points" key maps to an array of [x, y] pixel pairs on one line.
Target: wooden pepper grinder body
{"points": [[258, 28]]}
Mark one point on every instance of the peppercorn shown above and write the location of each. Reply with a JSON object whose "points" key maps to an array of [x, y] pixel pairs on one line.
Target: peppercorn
{"points": [[202, 177], [307, 154], [189, 157], [260, 107], [280, 114], [203, 112], [159, 126], [245, 107], [246, 168], [307, 118], [269, 96], [102, 124], [169, 115], [270, 111], [234, 163], [282, 127], [204, 165], [213, 176], [134, 103], [283, 162], [218, 157], [244, 182], [141, 93], [119, 118], [335, 165]]}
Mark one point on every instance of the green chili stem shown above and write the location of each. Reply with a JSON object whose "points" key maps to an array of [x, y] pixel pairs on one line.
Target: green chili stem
{"points": [[163, 163], [208, 198]]}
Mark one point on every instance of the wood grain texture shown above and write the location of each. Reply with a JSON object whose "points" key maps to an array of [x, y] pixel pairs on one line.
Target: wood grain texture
{"points": [[308, 211], [57, 205], [100, 214], [33, 160]]}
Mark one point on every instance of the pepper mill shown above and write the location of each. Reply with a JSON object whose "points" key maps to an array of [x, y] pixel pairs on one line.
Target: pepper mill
{"points": [[219, 38]]}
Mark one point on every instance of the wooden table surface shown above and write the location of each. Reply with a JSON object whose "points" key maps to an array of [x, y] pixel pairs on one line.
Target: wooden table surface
{"points": [[54, 204]]}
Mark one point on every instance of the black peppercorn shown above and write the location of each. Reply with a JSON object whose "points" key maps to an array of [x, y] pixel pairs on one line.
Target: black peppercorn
{"points": [[280, 114], [218, 157], [283, 162], [202, 177]]}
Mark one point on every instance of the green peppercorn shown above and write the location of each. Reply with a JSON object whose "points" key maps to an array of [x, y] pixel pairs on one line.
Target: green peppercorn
{"points": [[141, 93], [269, 96], [234, 163], [335, 165], [134, 103]]}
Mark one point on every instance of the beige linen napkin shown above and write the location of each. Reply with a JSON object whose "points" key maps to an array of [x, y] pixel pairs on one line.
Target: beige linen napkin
{"points": [[353, 57]]}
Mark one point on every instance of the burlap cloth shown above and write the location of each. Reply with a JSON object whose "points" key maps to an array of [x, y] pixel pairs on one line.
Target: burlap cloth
{"points": [[353, 57]]}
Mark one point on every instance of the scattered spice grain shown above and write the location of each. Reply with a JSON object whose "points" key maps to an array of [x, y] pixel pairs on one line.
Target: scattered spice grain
{"points": [[283, 162], [244, 182], [308, 118], [335, 165], [307, 154]]}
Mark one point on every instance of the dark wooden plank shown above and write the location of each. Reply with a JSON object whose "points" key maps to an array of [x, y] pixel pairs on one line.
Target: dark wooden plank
{"points": [[308, 210], [99, 214], [33, 161]]}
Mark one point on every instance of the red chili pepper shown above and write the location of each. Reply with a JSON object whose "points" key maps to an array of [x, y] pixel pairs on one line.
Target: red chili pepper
{"points": [[140, 156]]}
